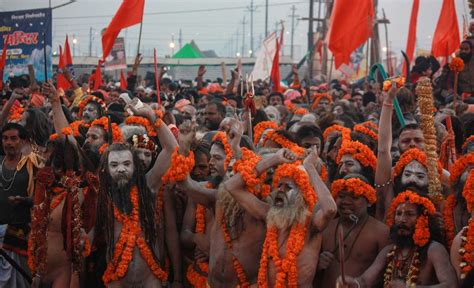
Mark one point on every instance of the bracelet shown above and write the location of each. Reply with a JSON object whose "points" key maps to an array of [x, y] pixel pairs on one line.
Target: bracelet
{"points": [[387, 104], [377, 186]]}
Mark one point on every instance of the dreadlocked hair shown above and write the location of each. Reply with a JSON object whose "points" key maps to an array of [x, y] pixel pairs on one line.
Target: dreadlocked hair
{"points": [[105, 211]]}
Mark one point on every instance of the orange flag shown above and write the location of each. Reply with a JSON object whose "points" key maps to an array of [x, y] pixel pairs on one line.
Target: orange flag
{"points": [[350, 26], [411, 41], [446, 38], [67, 52], [62, 81], [129, 14], [123, 81], [275, 73], [97, 76]]}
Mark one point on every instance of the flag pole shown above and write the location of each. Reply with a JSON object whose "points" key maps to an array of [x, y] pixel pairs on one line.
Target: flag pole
{"points": [[140, 37], [45, 61]]}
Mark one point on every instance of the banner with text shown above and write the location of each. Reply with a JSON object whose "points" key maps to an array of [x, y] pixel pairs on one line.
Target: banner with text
{"points": [[24, 32]]}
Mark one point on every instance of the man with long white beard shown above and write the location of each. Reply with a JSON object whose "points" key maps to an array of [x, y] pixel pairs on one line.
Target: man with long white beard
{"points": [[293, 239]]}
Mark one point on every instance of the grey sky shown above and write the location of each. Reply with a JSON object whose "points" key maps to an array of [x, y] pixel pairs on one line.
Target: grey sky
{"points": [[217, 29]]}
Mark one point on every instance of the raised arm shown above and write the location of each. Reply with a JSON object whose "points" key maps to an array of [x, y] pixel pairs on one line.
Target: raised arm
{"points": [[59, 119], [328, 206], [236, 185], [17, 94], [384, 158], [200, 76], [234, 78]]}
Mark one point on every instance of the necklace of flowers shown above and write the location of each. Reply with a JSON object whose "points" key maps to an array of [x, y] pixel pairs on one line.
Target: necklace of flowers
{"points": [[467, 248], [286, 268], [448, 217], [244, 283], [413, 271], [195, 278], [130, 235], [60, 194]]}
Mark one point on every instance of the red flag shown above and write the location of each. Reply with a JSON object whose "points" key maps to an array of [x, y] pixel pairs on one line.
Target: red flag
{"points": [[157, 79], [319, 49], [350, 26], [123, 81], [62, 81], [411, 41], [275, 73], [67, 52], [97, 76], [3, 61], [446, 38], [129, 13]]}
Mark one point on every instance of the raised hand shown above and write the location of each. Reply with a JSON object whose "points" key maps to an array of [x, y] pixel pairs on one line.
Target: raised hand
{"points": [[312, 158], [201, 71], [50, 91], [235, 73], [285, 156], [187, 133], [140, 109], [235, 133]]}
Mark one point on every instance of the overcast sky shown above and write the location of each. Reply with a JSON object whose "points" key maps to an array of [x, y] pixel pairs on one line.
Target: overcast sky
{"points": [[217, 27]]}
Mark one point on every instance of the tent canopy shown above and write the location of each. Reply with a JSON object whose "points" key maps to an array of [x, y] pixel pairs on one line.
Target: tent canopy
{"points": [[188, 51]]}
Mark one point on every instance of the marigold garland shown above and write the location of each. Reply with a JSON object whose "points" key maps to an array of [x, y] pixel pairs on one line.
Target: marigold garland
{"points": [[254, 183], [130, 236], [317, 97], [367, 131], [89, 99], [456, 65], [286, 268], [346, 132], [222, 137], [104, 123], [413, 272], [466, 250], [324, 173], [448, 218], [262, 127], [399, 80], [301, 179], [356, 187], [371, 125], [359, 151], [413, 154], [458, 168], [243, 282], [300, 111], [421, 235], [141, 121], [16, 113], [76, 125], [180, 167], [65, 131], [283, 142]]}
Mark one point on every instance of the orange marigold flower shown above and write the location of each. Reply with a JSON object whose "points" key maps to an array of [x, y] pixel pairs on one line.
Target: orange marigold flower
{"points": [[461, 164], [222, 137], [468, 191], [317, 97], [104, 123], [367, 131], [356, 187], [283, 142], [346, 132], [88, 99], [410, 155], [456, 65], [141, 121], [260, 128], [359, 151], [387, 84]]}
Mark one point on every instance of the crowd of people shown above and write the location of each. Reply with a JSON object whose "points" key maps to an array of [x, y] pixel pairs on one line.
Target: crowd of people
{"points": [[239, 184]]}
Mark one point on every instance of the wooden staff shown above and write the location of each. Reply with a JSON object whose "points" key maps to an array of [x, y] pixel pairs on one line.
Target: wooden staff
{"points": [[341, 253], [157, 77], [45, 61]]}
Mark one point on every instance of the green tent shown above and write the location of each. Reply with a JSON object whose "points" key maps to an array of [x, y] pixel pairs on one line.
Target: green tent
{"points": [[188, 51]]}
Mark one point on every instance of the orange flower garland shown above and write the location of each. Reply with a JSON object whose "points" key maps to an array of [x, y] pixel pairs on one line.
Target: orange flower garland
{"points": [[324, 173], [356, 187], [456, 65], [300, 111], [254, 183], [86, 101], [130, 235], [421, 235], [116, 132], [410, 155], [244, 283], [370, 125], [286, 268], [180, 167], [448, 217], [65, 131], [460, 166], [76, 125], [260, 128], [387, 84], [16, 113], [346, 132], [222, 137], [141, 121], [359, 151], [283, 142], [301, 179], [367, 131], [467, 249], [317, 97]]}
